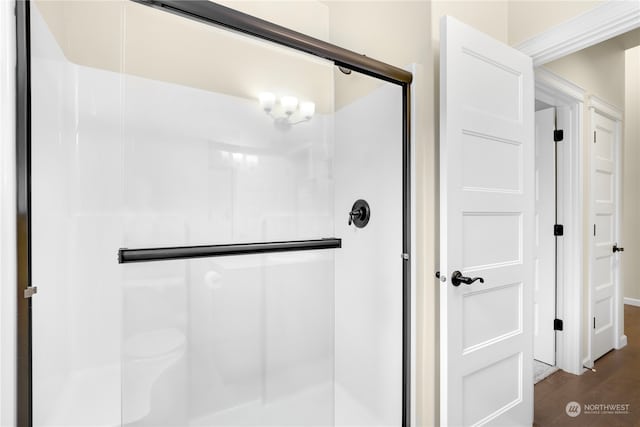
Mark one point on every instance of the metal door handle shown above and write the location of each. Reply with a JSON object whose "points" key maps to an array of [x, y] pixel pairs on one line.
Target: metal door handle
{"points": [[457, 278], [617, 249]]}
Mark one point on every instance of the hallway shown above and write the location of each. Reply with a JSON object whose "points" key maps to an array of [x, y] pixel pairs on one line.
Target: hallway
{"points": [[617, 381]]}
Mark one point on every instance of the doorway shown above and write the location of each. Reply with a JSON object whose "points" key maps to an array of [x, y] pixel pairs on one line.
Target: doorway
{"points": [[559, 107], [547, 232]]}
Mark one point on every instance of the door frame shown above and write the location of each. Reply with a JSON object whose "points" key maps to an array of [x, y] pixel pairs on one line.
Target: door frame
{"points": [[599, 106], [212, 14], [603, 22], [561, 93]]}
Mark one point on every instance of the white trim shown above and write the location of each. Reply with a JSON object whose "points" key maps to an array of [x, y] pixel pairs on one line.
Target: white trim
{"points": [[632, 301], [557, 86], [603, 22], [587, 362], [568, 97], [620, 338], [622, 342], [605, 108], [7, 215], [416, 86]]}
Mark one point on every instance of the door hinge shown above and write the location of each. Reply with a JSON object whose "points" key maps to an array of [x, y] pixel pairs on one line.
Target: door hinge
{"points": [[30, 291], [557, 324], [558, 230], [594, 136], [558, 135], [594, 229], [594, 323]]}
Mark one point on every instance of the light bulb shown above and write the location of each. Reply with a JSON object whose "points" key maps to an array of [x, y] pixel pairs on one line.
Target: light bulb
{"points": [[289, 104], [267, 101], [307, 109]]}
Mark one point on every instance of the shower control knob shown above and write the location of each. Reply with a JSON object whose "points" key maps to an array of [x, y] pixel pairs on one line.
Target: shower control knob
{"points": [[354, 215], [360, 213]]}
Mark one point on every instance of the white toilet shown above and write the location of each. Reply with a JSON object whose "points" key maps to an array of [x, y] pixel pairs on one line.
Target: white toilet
{"points": [[147, 356]]}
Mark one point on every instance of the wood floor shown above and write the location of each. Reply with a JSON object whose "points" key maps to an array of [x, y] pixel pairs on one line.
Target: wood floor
{"points": [[617, 380]]}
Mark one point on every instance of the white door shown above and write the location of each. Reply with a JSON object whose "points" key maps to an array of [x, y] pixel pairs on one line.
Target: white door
{"points": [[603, 259], [544, 296], [486, 229]]}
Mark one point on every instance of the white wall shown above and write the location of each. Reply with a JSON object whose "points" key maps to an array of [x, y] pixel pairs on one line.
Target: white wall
{"points": [[631, 175], [599, 69], [7, 215]]}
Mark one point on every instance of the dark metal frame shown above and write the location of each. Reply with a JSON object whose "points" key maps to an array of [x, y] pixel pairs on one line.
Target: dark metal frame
{"points": [[210, 13], [186, 252], [24, 382]]}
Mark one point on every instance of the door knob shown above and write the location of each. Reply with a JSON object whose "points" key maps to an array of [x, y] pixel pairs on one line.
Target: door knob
{"points": [[617, 249], [457, 278]]}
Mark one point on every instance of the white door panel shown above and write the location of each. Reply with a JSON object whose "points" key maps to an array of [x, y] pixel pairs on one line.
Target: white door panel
{"points": [[603, 185], [487, 210], [544, 298]]}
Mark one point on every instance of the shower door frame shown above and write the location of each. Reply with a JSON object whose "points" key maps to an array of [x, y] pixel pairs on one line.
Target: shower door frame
{"points": [[231, 19]]}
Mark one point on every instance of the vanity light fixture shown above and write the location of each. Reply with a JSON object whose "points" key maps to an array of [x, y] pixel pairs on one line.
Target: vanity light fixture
{"points": [[267, 101], [287, 111], [289, 104]]}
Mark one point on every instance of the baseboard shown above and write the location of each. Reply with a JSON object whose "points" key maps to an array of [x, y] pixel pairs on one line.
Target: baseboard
{"points": [[632, 301], [587, 363], [622, 342]]}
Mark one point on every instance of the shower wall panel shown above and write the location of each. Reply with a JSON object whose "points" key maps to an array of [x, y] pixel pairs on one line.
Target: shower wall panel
{"points": [[368, 165]]}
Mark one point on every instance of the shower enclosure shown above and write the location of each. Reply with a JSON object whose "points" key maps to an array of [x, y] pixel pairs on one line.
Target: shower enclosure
{"points": [[215, 212]]}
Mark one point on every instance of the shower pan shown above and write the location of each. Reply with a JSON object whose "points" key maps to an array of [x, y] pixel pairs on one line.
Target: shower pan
{"points": [[216, 218]]}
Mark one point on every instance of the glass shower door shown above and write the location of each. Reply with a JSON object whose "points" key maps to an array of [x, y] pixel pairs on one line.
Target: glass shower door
{"points": [[157, 138], [232, 340]]}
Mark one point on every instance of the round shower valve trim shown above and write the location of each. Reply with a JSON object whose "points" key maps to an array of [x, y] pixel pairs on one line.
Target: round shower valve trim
{"points": [[360, 213]]}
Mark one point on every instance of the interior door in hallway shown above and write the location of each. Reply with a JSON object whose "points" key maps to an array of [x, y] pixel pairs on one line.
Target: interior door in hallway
{"points": [[604, 260], [486, 229]]}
